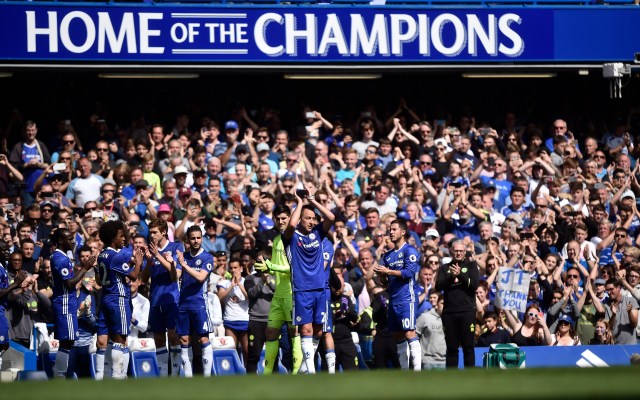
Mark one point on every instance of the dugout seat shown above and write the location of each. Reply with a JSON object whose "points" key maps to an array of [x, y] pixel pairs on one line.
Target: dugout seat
{"points": [[32, 376], [227, 362], [281, 368], [222, 342], [46, 362], [361, 362], [143, 364]]}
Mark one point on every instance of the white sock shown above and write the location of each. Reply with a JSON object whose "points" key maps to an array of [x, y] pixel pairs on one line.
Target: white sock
{"points": [[62, 363], [175, 355], [100, 364], [163, 360], [330, 356], [117, 358], [403, 354], [415, 354], [308, 352], [207, 359], [186, 361]]}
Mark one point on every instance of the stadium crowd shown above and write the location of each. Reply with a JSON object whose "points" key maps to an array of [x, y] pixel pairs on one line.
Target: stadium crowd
{"points": [[560, 205]]}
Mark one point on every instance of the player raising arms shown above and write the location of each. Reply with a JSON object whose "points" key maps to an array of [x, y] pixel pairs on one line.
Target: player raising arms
{"points": [[63, 302], [398, 270], [303, 243], [115, 263], [193, 319], [163, 313], [281, 304]]}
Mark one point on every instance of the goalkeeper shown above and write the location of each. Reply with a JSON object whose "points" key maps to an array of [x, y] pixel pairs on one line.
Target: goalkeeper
{"points": [[281, 305]]}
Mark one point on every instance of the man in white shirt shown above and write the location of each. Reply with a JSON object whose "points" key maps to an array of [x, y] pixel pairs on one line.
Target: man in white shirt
{"points": [[140, 311], [86, 187], [381, 201]]}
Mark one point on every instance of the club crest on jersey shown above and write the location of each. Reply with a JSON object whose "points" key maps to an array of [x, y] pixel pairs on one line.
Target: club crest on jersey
{"points": [[312, 236], [64, 271], [401, 255], [198, 262]]}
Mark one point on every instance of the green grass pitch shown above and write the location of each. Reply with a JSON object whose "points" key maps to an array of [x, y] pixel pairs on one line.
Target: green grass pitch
{"points": [[539, 384]]}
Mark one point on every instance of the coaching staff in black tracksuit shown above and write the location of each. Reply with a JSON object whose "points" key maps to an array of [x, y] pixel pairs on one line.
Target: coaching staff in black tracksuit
{"points": [[458, 280]]}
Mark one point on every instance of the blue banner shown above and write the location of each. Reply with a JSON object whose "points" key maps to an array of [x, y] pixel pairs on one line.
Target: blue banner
{"points": [[311, 35], [571, 356]]}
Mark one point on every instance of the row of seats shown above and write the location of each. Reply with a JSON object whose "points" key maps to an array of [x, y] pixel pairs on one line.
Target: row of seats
{"points": [[143, 362]]}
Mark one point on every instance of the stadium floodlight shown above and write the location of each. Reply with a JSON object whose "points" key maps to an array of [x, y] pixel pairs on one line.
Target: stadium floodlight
{"points": [[130, 75], [332, 76], [507, 75]]}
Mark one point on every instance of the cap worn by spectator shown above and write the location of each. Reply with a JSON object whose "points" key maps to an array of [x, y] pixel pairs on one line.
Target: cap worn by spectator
{"points": [[432, 232], [566, 318], [180, 169], [164, 208], [184, 192], [55, 174], [443, 142], [490, 184], [200, 172], [141, 184], [600, 281], [48, 203], [230, 125], [262, 147], [628, 193], [242, 148]]}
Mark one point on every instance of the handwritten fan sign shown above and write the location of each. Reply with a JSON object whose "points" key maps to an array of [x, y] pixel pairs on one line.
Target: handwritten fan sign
{"points": [[513, 288]]}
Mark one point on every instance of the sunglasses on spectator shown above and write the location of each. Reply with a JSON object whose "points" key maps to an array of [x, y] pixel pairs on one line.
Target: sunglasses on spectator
{"points": [[573, 276], [102, 149], [371, 152]]}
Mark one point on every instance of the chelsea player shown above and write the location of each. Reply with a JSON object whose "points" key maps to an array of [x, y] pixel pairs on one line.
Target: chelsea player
{"points": [[115, 263], [398, 269], [163, 313], [303, 243], [63, 301], [281, 307], [193, 319]]}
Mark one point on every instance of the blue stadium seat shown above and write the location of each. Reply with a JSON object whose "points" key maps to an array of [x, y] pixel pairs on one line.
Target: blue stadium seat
{"points": [[361, 362], [281, 368], [46, 361], [32, 376], [227, 362], [143, 364]]}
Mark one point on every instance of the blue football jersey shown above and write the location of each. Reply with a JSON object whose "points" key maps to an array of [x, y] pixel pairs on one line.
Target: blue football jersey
{"points": [[163, 289], [4, 283], [63, 299], [405, 259], [114, 267], [306, 258], [193, 294]]}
